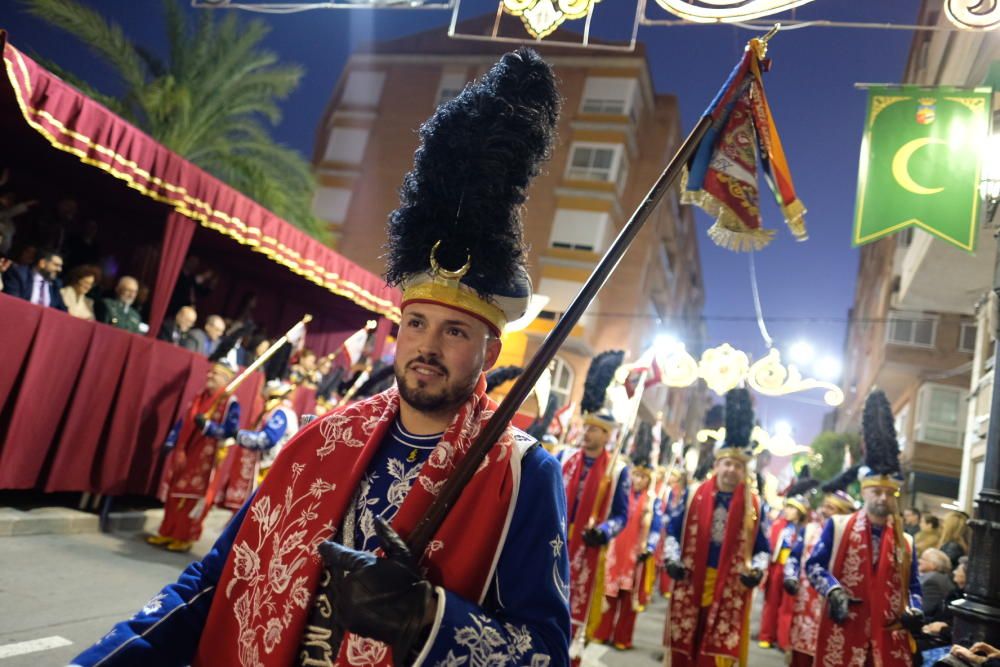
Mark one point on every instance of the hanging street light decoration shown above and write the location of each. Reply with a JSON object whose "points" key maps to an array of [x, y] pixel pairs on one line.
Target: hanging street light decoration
{"points": [[724, 368], [542, 17], [722, 11], [973, 14]]}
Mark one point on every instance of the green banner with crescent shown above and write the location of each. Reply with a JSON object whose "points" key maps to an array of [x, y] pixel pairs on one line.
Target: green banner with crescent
{"points": [[921, 157]]}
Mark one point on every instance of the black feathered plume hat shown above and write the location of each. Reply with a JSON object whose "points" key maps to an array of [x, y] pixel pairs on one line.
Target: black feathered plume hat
{"points": [[595, 387], [456, 238], [739, 426], [836, 490], [878, 425]]}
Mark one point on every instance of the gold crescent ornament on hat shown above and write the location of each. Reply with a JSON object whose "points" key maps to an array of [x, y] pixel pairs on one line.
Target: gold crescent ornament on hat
{"points": [[438, 270]]}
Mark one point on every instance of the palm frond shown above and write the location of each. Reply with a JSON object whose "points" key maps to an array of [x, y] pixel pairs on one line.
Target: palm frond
{"points": [[116, 105]]}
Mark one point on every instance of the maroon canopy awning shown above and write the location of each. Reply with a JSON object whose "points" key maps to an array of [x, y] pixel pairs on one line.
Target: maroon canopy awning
{"points": [[72, 122]]}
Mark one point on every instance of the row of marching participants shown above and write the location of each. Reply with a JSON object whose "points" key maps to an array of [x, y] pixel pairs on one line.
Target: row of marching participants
{"points": [[211, 462], [840, 585]]}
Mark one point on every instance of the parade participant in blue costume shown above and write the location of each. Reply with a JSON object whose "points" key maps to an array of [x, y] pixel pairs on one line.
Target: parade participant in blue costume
{"points": [[864, 563], [717, 553], [596, 491], [295, 579]]}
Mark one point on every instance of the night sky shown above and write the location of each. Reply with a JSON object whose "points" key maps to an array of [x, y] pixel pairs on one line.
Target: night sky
{"points": [[806, 288]]}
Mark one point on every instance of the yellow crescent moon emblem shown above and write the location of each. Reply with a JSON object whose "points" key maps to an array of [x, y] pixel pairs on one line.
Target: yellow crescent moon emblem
{"points": [[901, 162]]}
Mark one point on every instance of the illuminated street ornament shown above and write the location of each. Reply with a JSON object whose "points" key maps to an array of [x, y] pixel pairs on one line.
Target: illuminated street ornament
{"points": [[542, 17], [724, 368], [777, 444], [973, 14], [721, 11]]}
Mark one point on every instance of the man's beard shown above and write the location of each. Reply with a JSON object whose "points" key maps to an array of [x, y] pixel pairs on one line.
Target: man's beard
{"points": [[881, 511], [450, 397]]}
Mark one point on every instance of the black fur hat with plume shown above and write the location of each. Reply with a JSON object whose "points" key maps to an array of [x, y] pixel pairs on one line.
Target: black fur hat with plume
{"points": [[881, 447], [739, 426], [599, 376], [497, 376], [459, 219]]}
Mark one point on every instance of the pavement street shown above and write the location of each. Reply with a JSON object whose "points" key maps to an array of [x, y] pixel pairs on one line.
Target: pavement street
{"points": [[63, 592]]}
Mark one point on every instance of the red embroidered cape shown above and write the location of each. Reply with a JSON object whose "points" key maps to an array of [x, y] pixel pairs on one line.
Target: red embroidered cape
{"points": [[583, 559], [191, 480], [881, 594], [723, 627], [261, 602], [623, 552], [809, 604]]}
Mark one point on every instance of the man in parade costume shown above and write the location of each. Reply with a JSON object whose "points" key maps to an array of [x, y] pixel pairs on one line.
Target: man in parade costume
{"points": [[717, 554], [627, 556], [864, 564], [596, 493], [808, 606], [257, 448], [276, 590], [786, 533], [192, 444]]}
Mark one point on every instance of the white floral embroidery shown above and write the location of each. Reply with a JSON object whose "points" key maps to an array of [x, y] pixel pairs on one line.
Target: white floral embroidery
{"points": [[155, 604], [488, 647], [363, 651]]}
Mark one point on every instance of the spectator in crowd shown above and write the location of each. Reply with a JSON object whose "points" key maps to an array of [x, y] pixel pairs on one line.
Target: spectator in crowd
{"points": [[929, 535], [258, 347], [81, 280], [960, 574], [911, 521], [38, 283], [8, 211], [304, 370], [208, 338], [934, 567], [178, 332], [955, 536], [192, 284], [119, 311], [52, 229]]}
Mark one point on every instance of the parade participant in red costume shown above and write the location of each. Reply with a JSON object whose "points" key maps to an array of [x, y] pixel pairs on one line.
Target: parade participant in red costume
{"points": [[192, 443], [625, 565], [864, 563], [786, 533], [716, 554], [808, 608], [313, 570]]}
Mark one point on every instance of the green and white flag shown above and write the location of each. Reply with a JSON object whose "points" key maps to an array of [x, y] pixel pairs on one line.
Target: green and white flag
{"points": [[921, 157]]}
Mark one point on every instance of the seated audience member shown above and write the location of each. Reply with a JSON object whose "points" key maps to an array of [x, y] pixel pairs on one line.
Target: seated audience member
{"points": [[119, 311], [934, 567], [929, 535], [80, 281], [178, 331], [304, 369], [9, 210], [38, 283], [209, 337], [954, 539]]}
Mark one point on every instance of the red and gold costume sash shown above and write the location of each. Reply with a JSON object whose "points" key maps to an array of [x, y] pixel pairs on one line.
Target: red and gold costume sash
{"points": [[583, 561], [809, 604], [722, 631], [880, 593], [262, 599], [191, 479], [624, 550]]}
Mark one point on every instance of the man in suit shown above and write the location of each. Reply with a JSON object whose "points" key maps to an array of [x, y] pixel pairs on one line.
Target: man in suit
{"points": [[208, 339], [178, 332], [934, 567], [38, 284], [119, 311]]}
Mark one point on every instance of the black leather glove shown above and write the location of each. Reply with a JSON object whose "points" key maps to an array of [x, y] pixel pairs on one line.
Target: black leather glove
{"points": [[644, 556], [839, 605], [791, 586], [594, 537], [913, 620], [752, 578], [200, 421], [385, 599], [676, 569]]}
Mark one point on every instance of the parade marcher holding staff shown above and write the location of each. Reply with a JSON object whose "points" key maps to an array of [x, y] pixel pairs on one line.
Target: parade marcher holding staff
{"points": [[313, 570], [864, 563], [192, 444], [716, 553], [786, 533]]}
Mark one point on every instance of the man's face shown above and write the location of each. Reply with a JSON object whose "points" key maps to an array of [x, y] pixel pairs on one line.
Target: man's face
{"points": [[880, 501], [595, 439], [640, 480], [127, 291], [214, 328], [910, 518], [792, 514], [729, 472], [215, 380], [50, 268], [440, 354], [924, 565], [308, 362], [186, 318], [827, 510]]}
